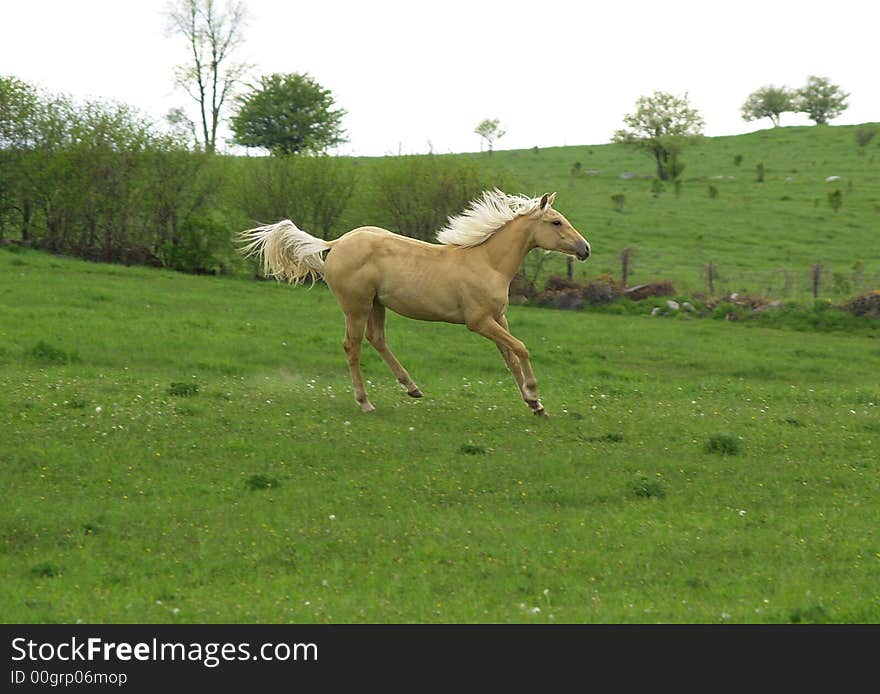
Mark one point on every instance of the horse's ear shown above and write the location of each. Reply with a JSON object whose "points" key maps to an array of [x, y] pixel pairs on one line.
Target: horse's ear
{"points": [[545, 201], [552, 198]]}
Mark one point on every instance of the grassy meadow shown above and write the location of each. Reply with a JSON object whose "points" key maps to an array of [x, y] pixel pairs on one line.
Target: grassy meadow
{"points": [[187, 449], [762, 237]]}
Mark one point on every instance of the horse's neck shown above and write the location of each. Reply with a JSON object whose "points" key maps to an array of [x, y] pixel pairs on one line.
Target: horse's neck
{"points": [[508, 247]]}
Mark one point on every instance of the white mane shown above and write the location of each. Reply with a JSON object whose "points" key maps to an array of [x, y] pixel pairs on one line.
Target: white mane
{"points": [[484, 216]]}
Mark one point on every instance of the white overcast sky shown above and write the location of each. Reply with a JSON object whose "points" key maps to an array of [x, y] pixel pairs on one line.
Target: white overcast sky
{"points": [[410, 73]]}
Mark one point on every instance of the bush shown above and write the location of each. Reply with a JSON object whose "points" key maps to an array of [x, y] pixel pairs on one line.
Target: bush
{"points": [[259, 482], [197, 247], [555, 283], [864, 135], [647, 488], [183, 390], [867, 305], [599, 291], [49, 354], [815, 614], [313, 191], [565, 299], [723, 444], [416, 194], [563, 293], [726, 310], [521, 289], [835, 199], [95, 180], [46, 570]]}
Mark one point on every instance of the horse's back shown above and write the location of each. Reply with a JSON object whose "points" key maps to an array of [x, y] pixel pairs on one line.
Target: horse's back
{"points": [[379, 237], [370, 244]]}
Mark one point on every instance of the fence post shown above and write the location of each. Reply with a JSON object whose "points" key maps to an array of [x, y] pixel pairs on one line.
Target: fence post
{"points": [[624, 266]]}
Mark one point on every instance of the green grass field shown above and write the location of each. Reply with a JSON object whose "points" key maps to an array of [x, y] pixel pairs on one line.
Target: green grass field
{"points": [[187, 449]]}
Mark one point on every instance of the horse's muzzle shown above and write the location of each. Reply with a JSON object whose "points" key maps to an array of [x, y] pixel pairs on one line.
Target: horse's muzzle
{"points": [[582, 250]]}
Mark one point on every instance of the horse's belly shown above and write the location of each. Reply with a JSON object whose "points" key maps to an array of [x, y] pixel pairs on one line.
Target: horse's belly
{"points": [[414, 303]]}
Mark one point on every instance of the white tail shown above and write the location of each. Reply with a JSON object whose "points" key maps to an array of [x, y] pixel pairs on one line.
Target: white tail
{"points": [[288, 253]]}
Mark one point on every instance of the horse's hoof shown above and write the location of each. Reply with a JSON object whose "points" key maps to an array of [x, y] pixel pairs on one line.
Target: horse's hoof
{"points": [[414, 393], [367, 406], [537, 407], [541, 412]]}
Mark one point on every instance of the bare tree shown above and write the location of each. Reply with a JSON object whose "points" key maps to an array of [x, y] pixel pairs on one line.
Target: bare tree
{"points": [[213, 35]]}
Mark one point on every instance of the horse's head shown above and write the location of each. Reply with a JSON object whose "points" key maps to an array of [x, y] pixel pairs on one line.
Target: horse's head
{"points": [[553, 232]]}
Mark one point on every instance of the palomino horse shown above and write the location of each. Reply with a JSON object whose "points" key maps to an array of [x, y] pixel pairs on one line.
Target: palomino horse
{"points": [[464, 279]]}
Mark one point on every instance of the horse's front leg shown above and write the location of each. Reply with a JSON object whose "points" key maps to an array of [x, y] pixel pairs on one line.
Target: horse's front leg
{"points": [[515, 354], [511, 359]]}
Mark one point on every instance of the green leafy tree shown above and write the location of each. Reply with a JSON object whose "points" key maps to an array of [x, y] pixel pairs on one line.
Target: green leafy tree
{"points": [[663, 125], [489, 130], [821, 100], [19, 108], [769, 102], [19, 104], [286, 114]]}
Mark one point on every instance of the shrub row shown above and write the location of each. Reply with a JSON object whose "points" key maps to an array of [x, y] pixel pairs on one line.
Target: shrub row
{"points": [[100, 181]]}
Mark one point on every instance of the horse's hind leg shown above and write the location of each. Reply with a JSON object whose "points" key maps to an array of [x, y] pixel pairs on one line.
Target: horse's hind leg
{"points": [[376, 337], [354, 335]]}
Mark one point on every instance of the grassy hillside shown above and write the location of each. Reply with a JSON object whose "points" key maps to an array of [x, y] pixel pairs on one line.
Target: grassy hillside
{"points": [[763, 238], [187, 449]]}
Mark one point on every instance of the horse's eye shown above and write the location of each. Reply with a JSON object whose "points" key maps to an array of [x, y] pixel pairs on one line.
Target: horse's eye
{"points": [[557, 223]]}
